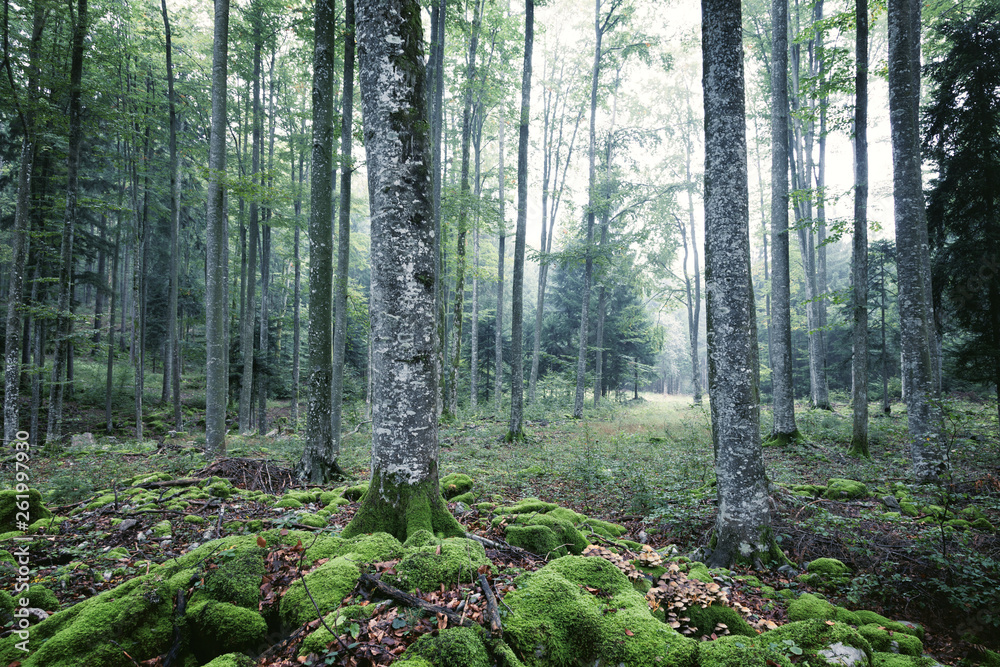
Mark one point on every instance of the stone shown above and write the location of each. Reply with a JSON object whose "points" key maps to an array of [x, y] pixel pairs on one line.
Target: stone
{"points": [[842, 654]]}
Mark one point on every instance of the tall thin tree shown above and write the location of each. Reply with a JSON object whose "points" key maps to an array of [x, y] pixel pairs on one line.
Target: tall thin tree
{"points": [[859, 268]]}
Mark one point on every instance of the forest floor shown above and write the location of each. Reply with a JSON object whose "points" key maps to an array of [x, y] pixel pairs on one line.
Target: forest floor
{"points": [[646, 464]]}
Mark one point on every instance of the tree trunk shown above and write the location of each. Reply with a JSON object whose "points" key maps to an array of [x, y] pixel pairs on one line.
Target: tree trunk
{"points": [[266, 183], [498, 343], [916, 319], [253, 233], [109, 379], [217, 348], [435, 71], [63, 318], [404, 495], [581, 359], [319, 437], [515, 430], [742, 526], [344, 240], [296, 298], [859, 269], [172, 357], [784, 429]]}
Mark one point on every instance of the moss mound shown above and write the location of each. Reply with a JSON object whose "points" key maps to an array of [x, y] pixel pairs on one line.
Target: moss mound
{"points": [[42, 598], [450, 561], [9, 508], [453, 647], [328, 585], [238, 579], [845, 489], [222, 627], [455, 484], [705, 620], [558, 537], [554, 619], [739, 651], [816, 635]]}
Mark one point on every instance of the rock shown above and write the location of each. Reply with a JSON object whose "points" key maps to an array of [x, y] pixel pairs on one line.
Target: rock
{"points": [[891, 503], [82, 440], [841, 654], [126, 524]]}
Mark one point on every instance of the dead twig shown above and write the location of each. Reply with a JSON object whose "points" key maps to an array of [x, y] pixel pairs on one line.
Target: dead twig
{"points": [[492, 610], [412, 600]]}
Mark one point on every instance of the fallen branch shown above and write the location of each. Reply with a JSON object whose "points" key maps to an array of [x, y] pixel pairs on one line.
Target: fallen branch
{"points": [[357, 428], [413, 601], [186, 481], [492, 610]]}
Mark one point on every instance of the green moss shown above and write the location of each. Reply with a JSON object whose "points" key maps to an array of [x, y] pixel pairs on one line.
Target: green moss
{"points": [[195, 519], [402, 509], [983, 525], [455, 484], [896, 660], [136, 615], [528, 505], [289, 502], [453, 561], [453, 647], [536, 539], [313, 520], [162, 529], [221, 489], [231, 660], [829, 567], [700, 572], [467, 498], [238, 579], [566, 514], [328, 585], [7, 603], [9, 508], [372, 548], [908, 508], [114, 554], [814, 635], [353, 493], [569, 539], [49, 524], [42, 598], [318, 640], [808, 606], [502, 654], [882, 639], [554, 618], [412, 661], [704, 619], [740, 651], [604, 528], [221, 627], [845, 489], [101, 501]]}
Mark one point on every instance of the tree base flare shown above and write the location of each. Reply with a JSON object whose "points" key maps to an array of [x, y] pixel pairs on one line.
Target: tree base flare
{"points": [[734, 550], [402, 509], [782, 439]]}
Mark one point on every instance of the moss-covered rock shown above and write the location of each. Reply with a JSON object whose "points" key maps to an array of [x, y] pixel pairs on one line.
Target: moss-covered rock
{"points": [[328, 585], [10, 505], [882, 659], [221, 627], [845, 489], [564, 538], [884, 640], [603, 528], [527, 506], [353, 493], [162, 529], [7, 603], [453, 647], [42, 598], [231, 660], [455, 484], [705, 619], [830, 567], [195, 519], [815, 635], [313, 520], [699, 571], [555, 620], [740, 651], [339, 619], [451, 561], [238, 579], [288, 501], [809, 606]]}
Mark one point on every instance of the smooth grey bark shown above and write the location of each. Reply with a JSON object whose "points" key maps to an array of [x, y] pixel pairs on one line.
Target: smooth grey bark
{"points": [[694, 304], [784, 428], [266, 182], [742, 526], [859, 257], [109, 377], [319, 436], [20, 245], [602, 294], [501, 243], [474, 333], [217, 347], [253, 233], [823, 384], [403, 495], [171, 361], [915, 313], [515, 429], [63, 315], [343, 240]]}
